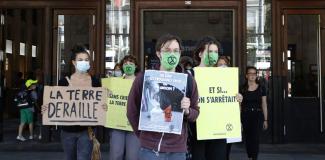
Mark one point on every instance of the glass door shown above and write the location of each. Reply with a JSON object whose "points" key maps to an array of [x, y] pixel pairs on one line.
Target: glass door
{"points": [[302, 59], [190, 26], [2, 54], [72, 27]]}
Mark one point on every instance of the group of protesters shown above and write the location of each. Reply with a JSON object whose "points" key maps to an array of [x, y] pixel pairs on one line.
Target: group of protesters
{"points": [[148, 145]]}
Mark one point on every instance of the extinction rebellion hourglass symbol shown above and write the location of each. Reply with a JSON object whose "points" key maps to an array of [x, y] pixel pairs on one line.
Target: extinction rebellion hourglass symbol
{"points": [[171, 60], [229, 127]]}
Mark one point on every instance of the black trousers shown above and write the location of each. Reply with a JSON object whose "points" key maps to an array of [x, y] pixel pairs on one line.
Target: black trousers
{"points": [[209, 149], [252, 125], [228, 150]]}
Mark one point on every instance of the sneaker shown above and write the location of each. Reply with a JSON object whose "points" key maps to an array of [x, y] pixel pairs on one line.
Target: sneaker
{"points": [[40, 137], [21, 138], [31, 138]]}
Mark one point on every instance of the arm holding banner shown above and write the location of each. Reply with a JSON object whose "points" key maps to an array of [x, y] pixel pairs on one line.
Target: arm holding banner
{"points": [[134, 103], [194, 107]]}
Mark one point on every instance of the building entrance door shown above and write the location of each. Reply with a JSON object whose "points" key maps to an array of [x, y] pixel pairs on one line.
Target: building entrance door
{"points": [[2, 54], [190, 20], [303, 61], [71, 27], [190, 25]]}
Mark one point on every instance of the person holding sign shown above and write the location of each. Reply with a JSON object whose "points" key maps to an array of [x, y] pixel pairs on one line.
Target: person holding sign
{"points": [[124, 144], [206, 54], [253, 109], [154, 145], [76, 141], [224, 61]]}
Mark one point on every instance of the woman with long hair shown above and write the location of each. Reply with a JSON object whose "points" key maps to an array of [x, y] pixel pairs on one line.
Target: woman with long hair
{"points": [[206, 54], [253, 112]]}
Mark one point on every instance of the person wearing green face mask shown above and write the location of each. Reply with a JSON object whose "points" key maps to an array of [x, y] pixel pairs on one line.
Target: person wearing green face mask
{"points": [[210, 58], [206, 54], [169, 59], [154, 145], [125, 144]]}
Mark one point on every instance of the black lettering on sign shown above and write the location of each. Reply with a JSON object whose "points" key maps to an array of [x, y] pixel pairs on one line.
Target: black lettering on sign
{"points": [[114, 96], [124, 97], [201, 100], [83, 110], [219, 90], [76, 97], [85, 94], [70, 91], [51, 110], [65, 109], [211, 89], [99, 95], [57, 96], [57, 109], [95, 104], [73, 110], [91, 95], [88, 108]]}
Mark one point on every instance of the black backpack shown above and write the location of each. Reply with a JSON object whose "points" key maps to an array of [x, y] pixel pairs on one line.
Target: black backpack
{"points": [[22, 99]]}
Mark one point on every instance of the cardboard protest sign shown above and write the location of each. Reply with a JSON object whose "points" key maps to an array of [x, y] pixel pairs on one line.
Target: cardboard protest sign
{"points": [[74, 105], [161, 101], [117, 102], [219, 110]]}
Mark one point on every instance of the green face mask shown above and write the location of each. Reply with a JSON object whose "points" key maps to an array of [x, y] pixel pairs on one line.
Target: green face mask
{"points": [[169, 60], [129, 69], [211, 58]]}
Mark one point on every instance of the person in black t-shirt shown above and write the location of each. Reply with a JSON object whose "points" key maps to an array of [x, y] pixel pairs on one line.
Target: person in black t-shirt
{"points": [[253, 109]]}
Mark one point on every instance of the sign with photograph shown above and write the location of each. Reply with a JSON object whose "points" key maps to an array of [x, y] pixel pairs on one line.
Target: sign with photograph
{"points": [[161, 101]]}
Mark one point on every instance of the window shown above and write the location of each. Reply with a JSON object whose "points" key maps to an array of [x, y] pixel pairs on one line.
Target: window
{"points": [[22, 49], [117, 36], [259, 36], [9, 46]]}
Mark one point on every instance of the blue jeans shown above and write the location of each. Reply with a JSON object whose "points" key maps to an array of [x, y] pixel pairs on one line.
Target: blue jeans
{"points": [[147, 154], [124, 145], [76, 145]]}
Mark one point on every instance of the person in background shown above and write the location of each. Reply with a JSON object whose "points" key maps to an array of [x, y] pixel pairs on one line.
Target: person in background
{"points": [[117, 70], [154, 145], [224, 62], [26, 100], [187, 64], [124, 145], [19, 81], [253, 112]]}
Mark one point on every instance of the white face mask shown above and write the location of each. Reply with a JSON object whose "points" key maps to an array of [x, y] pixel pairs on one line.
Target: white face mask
{"points": [[83, 66], [117, 73]]}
